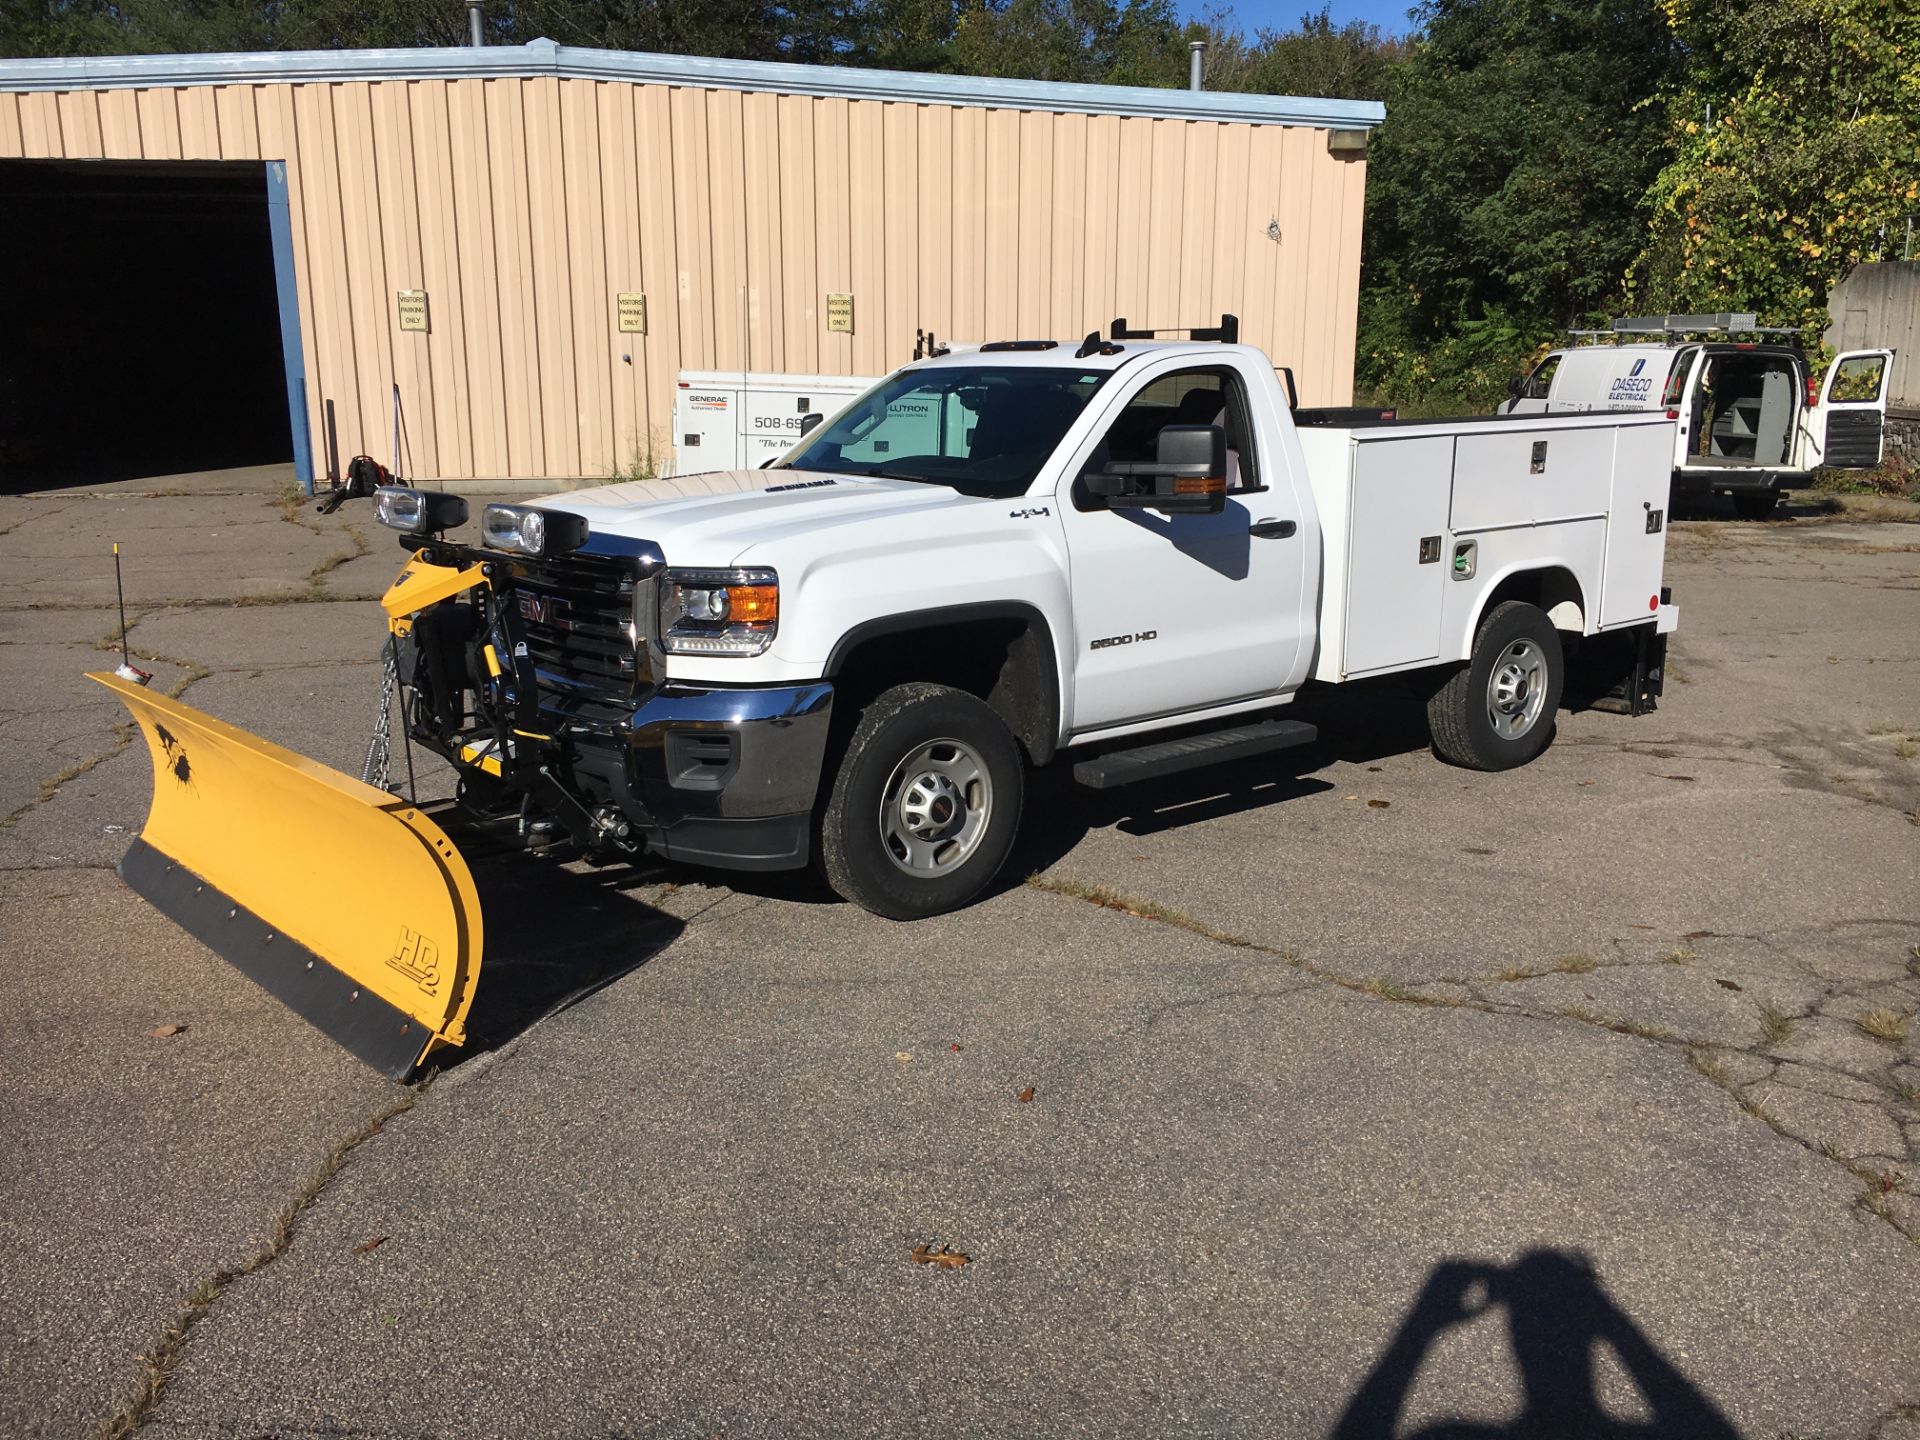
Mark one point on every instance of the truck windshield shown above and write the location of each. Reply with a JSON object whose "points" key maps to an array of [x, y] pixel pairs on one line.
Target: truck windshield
{"points": [[980, 429]]}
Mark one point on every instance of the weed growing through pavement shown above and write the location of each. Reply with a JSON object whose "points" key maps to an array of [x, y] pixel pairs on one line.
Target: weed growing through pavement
{"points": [[1575, 964], [1775, 1026], [1680, 957], [1884, 1024]]}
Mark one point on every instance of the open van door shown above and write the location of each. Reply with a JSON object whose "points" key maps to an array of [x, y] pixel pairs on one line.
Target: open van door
{"points": [[1848, 426]]}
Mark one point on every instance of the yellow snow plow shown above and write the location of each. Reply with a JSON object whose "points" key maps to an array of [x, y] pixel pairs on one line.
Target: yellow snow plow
{"points": [[230, 851]]}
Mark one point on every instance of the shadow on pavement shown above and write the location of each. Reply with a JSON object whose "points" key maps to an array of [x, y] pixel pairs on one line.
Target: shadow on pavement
{"points": [[554, 935], [1558, 1318]]}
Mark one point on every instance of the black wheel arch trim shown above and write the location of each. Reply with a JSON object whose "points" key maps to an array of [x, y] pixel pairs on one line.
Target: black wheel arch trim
{"points": [[1040, 745]]}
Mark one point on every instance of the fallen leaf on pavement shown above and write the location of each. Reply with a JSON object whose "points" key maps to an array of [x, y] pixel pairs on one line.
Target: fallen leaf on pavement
{"points": [[1378, 804], [1725, 984], [367, 1245], [1584, 782], [903, 1056], [1687, 778], [943, 1257], [166, 1032], [954, 1048], [1025, 1095]]}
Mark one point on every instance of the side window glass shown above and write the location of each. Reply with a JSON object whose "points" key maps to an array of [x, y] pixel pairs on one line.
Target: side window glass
{"points": [[1213, 396], [1540, 383], [1677, 379], [1859, 377]]}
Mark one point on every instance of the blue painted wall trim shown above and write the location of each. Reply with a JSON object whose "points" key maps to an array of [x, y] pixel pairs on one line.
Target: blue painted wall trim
{"points": [[544, 57], [280, 221]]}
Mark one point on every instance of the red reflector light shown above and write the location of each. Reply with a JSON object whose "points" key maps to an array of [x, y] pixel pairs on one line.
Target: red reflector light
{"points": [[686, 384], [1673, 414], [1813, 392], [1653, 602]]}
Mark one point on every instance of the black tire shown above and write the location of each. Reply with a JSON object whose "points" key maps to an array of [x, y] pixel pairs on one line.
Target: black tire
{"points": [[1461, 713], [1755, 504], [865, 833]]}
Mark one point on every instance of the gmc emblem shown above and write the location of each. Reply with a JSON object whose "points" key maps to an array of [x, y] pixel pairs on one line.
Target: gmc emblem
{"points": [[539, 609]]}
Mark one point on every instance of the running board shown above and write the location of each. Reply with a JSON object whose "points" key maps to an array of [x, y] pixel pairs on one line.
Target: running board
{"points": [[1169, 757]]}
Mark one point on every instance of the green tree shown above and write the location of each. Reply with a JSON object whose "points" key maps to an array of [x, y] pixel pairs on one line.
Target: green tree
{"points": [[1796, 154]]}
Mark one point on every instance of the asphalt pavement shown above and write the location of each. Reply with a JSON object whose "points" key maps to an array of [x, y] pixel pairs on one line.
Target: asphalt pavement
{"points": [[1339, 1093]]}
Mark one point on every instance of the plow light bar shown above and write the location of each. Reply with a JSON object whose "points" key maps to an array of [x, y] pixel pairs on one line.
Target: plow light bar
{"points": [[527, 531], [418, 512]]}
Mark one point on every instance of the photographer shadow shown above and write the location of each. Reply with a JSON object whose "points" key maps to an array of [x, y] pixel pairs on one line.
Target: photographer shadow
{"points": [[1558, 1317]]}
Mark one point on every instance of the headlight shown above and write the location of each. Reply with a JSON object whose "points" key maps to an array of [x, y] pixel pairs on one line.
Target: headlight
{"points": [[719, 612], [527, 531], [417, 512]]}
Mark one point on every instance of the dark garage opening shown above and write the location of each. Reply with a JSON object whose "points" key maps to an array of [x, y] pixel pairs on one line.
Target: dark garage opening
{"points": [[139, 322]]}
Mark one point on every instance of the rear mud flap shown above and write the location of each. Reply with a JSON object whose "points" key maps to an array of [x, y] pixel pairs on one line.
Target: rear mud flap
{"points": [[345, 902]]}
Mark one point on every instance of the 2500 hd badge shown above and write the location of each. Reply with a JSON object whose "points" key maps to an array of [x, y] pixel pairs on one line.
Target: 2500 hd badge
{"points": [[1112, 640]]}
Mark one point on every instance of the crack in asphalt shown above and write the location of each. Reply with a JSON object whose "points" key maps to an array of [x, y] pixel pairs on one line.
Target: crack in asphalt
{"points": [[1876, 1185], [158, 1361]]}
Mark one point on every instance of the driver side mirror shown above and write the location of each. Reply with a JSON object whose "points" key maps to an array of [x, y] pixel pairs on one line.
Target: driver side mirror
{"points": [[1516, 388], [811, 422], [1187, 475]]}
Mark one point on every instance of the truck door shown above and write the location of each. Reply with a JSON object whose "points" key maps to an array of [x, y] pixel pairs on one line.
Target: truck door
{"points": [[1174, 613], [1846, 429]]}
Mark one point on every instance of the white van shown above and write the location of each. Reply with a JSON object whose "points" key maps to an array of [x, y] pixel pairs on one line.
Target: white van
{"points": [[1753, 422]]}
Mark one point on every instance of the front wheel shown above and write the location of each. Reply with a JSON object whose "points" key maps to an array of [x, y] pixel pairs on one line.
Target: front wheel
{"points": [[1497, 710], [923, 810]]}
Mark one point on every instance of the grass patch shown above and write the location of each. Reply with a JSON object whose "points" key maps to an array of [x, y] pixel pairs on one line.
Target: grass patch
{"points": [[1520, 972], [158, 1362], [1710, 1065], [1775, 1026], [1680, 957], [1575, 964], [1885, 1024], [1906, 1091]]}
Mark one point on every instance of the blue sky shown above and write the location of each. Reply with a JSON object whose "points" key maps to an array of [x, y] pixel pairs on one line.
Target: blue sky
{"points": [[1389, 15]]}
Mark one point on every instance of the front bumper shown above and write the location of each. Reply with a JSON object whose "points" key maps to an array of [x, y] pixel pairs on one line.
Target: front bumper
{"points": [[714, 777]]}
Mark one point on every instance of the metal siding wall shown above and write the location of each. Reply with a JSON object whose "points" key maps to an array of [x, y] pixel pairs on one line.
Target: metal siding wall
{"points": [[1879, 305], [523, 206]]}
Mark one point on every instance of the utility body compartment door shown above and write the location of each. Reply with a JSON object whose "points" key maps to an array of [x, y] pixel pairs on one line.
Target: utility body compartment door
{"points": [[1637, 525], [1396, 552]]}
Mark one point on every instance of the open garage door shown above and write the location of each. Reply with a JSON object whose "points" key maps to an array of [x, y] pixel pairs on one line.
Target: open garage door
{"points": [[142, 323]]}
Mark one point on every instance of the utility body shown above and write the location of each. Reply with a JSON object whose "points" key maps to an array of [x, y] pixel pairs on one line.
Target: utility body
{"points": [[1135, 555], [1752, 420]]}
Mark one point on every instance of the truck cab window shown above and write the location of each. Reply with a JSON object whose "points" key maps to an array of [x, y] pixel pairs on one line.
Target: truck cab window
{"points": [[1540, 384], [1212, 396]]}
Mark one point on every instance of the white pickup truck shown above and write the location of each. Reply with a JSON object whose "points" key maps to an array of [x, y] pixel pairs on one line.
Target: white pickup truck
{"points": [[1129, 551]]}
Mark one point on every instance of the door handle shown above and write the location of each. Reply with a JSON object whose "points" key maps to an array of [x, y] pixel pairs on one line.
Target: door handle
{"points": [[1272, 529]]}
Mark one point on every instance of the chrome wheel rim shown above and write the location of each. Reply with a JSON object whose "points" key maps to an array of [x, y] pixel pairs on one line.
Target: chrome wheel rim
{"points": [[936, 805], [1517, 689]]}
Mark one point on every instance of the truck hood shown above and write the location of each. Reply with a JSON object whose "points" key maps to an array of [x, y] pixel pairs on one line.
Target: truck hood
{"points": [[715, 518]]}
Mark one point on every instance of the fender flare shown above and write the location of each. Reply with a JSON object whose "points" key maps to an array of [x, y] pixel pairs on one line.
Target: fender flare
{"points": [[1047, 733]]}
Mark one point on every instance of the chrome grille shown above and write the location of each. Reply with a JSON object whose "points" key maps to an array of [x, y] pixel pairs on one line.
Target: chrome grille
{"points": [[576, 615]]}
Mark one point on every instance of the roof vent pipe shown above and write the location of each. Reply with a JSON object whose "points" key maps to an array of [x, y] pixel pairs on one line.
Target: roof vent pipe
{"points": [[1196, 56], [476, 33]]}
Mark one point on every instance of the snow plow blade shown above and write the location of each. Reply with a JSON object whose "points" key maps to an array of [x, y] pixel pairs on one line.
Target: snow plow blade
{"points": [[345, 902]]}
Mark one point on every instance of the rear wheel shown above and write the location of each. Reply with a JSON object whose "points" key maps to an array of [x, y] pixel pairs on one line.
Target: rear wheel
{"points": [[1754, 504], [1497, 711], [924, 806]]}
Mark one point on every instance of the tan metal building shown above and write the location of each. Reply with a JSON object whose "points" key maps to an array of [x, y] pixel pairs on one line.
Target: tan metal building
{"points": [[533, 207]]}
